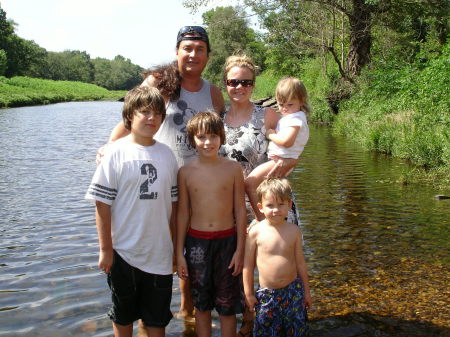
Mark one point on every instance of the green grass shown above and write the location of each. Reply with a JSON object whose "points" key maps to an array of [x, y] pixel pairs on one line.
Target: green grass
{"points": [[24, 91], [265, 85], [404, 112]]}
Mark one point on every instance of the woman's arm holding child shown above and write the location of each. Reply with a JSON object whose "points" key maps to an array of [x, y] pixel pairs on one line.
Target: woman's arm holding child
{"points": [[249, 268], [271, 118], [240, 217], [285, 138], [302, 269], [183, 212], [103, 221]]}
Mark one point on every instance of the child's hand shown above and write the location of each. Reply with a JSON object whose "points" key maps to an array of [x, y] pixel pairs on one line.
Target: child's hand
{"points": [[308, 300], [105, 260], [270, 132], [251, 302], [237, 262], [182, 269]]}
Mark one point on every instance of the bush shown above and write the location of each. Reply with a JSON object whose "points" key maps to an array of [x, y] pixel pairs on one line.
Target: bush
{"points": [[403, 111]]}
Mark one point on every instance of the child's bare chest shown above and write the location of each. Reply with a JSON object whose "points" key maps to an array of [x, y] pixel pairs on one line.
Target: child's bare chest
{"points": [[206, 182], [276, 244]]}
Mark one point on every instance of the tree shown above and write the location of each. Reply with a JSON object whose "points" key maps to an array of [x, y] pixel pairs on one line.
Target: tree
{"points": [[118, 74], [321, 26], [6, 29], [22, 56], [70, 65], [229, 33], [3, 62], [343, 28]]}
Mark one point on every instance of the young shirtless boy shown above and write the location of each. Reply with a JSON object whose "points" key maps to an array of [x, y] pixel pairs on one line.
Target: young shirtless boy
{"points": [[276, 247], [211, 203]]}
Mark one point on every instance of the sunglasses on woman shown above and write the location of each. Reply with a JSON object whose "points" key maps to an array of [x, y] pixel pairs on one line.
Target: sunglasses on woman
{"points": [[234, 83]]}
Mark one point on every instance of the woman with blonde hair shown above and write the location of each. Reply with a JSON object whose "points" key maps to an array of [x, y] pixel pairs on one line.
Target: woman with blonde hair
{"points": [[245, 129]]}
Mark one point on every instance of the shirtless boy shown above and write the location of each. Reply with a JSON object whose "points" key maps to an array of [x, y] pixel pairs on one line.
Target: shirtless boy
{"points": [[211, 201], [275, 247]]}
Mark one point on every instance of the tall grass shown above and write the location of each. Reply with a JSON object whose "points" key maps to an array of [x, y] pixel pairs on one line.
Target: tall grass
{"points": [[23, 91], [404, 112], [265, 85]]}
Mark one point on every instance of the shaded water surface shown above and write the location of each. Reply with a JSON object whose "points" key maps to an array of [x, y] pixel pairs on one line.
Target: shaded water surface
{"points": [[377, 251]]}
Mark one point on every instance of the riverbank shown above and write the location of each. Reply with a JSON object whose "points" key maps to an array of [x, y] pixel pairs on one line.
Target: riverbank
{"points": [[25, 91]]}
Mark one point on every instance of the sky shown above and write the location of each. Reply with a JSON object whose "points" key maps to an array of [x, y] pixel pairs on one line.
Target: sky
{"points": [[143, 31]]}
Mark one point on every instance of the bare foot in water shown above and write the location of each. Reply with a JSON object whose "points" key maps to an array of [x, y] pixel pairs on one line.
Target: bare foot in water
{"points": [[187, 315], [246, 329]]}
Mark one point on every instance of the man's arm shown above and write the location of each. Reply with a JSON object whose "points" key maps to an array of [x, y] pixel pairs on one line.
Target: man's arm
{"points": [[217, 100], [103, 221], [249, 268], [183, 214], [118, 132]]}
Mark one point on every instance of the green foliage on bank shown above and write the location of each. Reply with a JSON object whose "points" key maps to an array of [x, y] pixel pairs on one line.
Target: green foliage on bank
{"points": [[23, 91], [317, 78], [403, 111]]}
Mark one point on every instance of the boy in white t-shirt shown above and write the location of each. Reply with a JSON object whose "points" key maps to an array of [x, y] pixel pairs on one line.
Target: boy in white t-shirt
{"points": [[289, 138], [135, 192]]}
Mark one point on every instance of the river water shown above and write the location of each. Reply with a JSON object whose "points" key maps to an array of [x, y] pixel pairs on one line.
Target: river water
{"points": [[377, 250]]}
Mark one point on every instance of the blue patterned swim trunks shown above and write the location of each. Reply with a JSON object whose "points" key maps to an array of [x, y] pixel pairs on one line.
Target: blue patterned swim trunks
{"points": [[281, 312]]}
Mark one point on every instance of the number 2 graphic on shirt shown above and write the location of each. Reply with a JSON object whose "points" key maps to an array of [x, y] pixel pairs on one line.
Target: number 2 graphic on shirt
{"points": [[150, 171]]}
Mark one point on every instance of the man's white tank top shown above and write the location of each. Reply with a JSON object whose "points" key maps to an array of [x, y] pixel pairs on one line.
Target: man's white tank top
{"points": [[173, 130]]}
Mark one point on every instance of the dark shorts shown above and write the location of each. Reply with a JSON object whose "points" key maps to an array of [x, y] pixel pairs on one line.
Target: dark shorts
{"points": [[208, 255], [139, 295], [281, 312]]}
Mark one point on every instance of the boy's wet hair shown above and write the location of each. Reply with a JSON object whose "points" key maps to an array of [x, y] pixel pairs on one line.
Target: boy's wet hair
{"points": [[205, 122], [142, 99], [289, 88], [278, 187]]}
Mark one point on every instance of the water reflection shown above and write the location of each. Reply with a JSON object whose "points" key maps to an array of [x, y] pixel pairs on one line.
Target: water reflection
{"points": [[377, 251], [374, 248]]}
